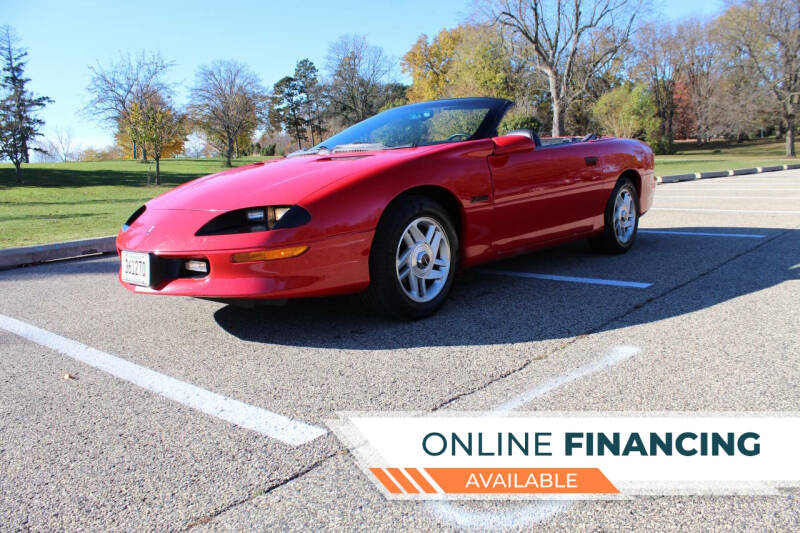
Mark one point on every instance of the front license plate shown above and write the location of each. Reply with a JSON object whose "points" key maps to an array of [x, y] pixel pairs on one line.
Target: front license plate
{"points": [[135, 268]]}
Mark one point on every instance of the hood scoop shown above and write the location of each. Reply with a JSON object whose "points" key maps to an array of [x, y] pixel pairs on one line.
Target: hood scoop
{"points": [[343, 158]]}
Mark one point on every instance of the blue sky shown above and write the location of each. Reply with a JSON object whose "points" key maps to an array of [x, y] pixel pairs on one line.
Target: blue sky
{"points": [[65, 37]]}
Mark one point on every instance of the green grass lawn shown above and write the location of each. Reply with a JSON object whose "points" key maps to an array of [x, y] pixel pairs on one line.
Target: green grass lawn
{"points": [[722, 156], [67, 201]]}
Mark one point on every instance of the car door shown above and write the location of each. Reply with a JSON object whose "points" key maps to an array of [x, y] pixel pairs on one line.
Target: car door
{"points": [[538, 195]]}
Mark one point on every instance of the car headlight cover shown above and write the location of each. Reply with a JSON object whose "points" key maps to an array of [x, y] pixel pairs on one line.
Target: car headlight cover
{"points": [[253, 219], [131, 219]]}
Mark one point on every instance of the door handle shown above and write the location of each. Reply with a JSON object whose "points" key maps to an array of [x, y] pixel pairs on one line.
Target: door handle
{"points": [[590, 161]]}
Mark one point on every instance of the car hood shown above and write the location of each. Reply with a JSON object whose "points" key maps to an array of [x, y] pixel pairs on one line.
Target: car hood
{"points": [[276, 182]]}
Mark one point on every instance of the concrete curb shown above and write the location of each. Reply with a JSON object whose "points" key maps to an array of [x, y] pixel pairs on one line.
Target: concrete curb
{"points": [[674, 178], [26, 255], [716, 174], [743, 171]]}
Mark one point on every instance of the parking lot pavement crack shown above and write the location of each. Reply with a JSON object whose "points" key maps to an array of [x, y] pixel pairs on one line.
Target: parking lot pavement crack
{"points": [[260, 493], [602, 326]]}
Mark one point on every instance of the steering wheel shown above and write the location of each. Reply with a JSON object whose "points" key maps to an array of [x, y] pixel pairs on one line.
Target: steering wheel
{"points": [[455, 135]]}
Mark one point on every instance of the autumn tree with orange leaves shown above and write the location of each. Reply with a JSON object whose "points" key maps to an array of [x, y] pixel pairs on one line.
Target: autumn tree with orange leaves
{"points": [[158, 127]]}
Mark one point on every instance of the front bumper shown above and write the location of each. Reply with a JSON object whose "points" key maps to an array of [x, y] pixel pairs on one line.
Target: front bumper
{"points": [[334, 265]]}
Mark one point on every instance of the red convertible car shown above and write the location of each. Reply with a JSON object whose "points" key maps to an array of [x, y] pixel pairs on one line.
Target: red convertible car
{"points": [[392, 207]]}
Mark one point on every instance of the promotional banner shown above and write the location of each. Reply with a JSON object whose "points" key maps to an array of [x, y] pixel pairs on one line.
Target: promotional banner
{"points": [[574, 455]]}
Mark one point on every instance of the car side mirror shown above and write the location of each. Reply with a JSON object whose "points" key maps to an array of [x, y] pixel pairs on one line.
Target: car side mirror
{"points": [[512, 144]]}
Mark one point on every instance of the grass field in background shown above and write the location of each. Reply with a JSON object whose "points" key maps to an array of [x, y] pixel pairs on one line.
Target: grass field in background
{"points": [[67, 201], [722, 156]]}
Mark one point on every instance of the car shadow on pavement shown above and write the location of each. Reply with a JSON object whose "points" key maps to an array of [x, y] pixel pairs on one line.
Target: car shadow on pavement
{"points": [[488, 309]]}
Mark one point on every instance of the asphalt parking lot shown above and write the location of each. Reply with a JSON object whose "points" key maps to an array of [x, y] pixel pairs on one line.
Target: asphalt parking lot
{"points": [[708, 297]]}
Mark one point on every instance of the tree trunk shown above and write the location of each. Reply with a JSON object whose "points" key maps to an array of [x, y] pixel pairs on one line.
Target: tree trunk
{"points": [[790, 152], [669, 134], [18, 171], [144, 155], [236, 141], [158, 170], [558, 112], [229, 151], [134, 150]]}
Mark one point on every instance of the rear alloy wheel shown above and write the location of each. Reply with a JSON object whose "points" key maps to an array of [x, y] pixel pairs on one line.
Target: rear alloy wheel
{"points": [[413, 259], [621, 220]]}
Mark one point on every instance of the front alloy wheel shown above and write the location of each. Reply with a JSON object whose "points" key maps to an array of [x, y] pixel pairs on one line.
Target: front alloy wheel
{"points": [[413, 259], [423, 259]]}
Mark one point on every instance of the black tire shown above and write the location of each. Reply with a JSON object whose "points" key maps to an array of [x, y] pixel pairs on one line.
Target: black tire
{"points": [[385, 293], [608, 242]]}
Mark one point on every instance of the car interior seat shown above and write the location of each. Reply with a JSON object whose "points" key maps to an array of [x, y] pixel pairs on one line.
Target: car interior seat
{"points": [[530, 134]]}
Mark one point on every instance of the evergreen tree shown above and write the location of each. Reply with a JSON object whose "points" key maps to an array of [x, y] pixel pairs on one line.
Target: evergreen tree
{"points": [[18, 106], [286, 112], [307, 77]]}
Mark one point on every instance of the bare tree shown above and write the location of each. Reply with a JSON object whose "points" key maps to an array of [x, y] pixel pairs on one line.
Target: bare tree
{"points": [[701, 72], [226, 100], [44, 151], [128, 80], [766, 34], [724, 97], [739, 104], [560, 32], [658, 63], [359, 73], [195, 145], [62, 146]]}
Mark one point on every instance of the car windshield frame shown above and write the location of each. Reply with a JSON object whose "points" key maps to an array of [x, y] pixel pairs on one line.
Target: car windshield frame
{"points": [[494, 109]]}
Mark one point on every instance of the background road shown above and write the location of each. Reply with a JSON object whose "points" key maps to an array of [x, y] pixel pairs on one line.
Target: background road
{"points": [[716, 329]]}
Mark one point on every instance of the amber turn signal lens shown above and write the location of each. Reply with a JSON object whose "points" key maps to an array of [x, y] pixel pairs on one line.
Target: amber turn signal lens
{"points": [[268, 255]]}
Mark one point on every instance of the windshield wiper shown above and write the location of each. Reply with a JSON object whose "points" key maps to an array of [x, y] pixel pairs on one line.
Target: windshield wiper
{"points": [[349, 147], [310, 151], [358, 147], [409, 145], [367, 147]]}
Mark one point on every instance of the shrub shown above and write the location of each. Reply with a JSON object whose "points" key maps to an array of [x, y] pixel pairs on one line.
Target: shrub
{"points": [[628, 111], [515, 120]]}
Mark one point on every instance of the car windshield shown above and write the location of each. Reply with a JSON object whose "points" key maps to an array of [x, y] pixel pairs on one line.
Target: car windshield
{"points": [[416, 125]]}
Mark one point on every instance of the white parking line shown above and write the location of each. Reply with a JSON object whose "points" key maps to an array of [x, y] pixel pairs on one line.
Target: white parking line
{"points": [[540, 511], [616, 355], [520, 518], [687, 187], [267, 423], [571, 279], [703, 233], [704, 197], [763, 177], [702, 210]]}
